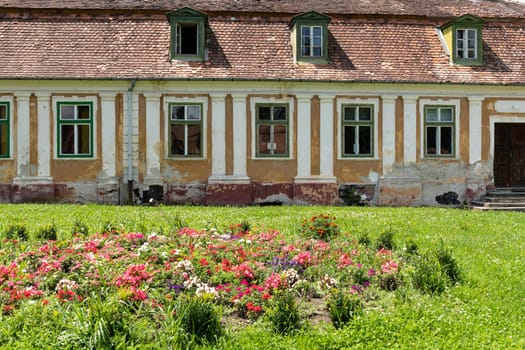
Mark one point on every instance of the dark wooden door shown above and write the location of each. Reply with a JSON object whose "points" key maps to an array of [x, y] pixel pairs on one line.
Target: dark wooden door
{"points": [[509, 155]]}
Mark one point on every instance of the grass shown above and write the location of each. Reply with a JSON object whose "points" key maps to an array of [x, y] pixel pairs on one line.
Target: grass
{"points": [[485, 311]]}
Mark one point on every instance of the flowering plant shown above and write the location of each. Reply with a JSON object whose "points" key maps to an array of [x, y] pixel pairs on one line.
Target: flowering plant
{"points": [[321, 227]]}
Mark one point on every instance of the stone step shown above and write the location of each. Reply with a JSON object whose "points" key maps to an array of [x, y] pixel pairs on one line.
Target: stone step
{"points": [[486, 204], [498, 208]]}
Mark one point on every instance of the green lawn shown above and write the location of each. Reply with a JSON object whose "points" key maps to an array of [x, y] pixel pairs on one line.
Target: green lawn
{"points": [[485, 311]]}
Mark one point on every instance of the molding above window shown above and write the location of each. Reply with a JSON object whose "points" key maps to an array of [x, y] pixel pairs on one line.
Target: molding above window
{"points": [[309, 35], [463, 40], [188, 34]]}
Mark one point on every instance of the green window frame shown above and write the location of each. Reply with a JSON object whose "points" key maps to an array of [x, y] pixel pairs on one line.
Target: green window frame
{"points": [[440, 131], [5, 130], [188, 34], [185, 130], [357, 128], [272, 122], [75, 129], [310, 37], [466, 39]]}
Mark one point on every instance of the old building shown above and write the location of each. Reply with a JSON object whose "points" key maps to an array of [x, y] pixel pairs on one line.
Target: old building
{"points": [[239, 102]]}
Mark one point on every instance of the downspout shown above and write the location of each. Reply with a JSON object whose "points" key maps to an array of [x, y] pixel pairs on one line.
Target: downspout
{"points": [[130, 142]]}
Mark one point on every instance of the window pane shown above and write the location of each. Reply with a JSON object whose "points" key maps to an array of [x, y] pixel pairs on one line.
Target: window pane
{"points": [[432, 114], [177, 112], [365, 137], [67, 112], [349, 113], [316, 51], [431, 139], [193, 113], [83, 139], [3, 112], [4, 139], [279, 113], [306, 41], [446, 114], [67, 142], [177, 139], [187, 39], [264, 146], [194, 140], [83, 112], [264, 113], [365, 113], [446, 140], [460, 34], [349, 144], [279, 139]]}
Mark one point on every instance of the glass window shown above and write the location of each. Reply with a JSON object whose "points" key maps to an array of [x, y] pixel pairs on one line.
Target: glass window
{"points": [[439, 130], [4, 130], [466, 43], [272, 130], [358, 131], [75, 129], [312, 41], [185, 127]]}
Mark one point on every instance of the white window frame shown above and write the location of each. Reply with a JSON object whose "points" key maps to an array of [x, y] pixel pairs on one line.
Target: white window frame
{"points": [[464, 42], [203, 102], [311, 36], [92, 99], [290, 102], [456, 104], [374, 103]]}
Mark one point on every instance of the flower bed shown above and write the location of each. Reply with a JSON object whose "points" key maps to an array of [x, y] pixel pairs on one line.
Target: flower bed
{"points": [[240, 270]]}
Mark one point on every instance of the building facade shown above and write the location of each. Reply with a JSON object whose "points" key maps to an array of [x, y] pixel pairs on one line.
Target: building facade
{"points": [[275, 103]]}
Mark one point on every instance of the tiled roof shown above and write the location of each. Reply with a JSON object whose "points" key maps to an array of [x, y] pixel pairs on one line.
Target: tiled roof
{"points": [[482, 8], [387, 49]]}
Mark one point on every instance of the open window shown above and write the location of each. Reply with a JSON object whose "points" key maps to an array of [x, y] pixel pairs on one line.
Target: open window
{"points": [[463, 38], [310, 37], [188, 29]]}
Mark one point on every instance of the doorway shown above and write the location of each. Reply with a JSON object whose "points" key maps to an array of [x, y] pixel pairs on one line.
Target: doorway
{"points": [[509, 155]]}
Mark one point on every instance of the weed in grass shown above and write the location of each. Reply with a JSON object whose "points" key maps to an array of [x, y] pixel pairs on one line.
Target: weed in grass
{"points": [[364, 239], [427, 275], [47, 232], [343, 307], [284, 312], [449, 265], [199, 318], [17, 231], [385, 240], [80, 228]]}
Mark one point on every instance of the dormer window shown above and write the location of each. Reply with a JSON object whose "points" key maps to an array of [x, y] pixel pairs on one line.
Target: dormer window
{"points": [[463, 40], [311, 41], [466, 44], [309, 37], [187, 34]]}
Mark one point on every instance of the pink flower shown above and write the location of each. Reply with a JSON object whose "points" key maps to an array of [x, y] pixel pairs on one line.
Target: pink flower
{"points": [[344, 261], [389, 267], [273, 281], [243, 270], [303, 258]]}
